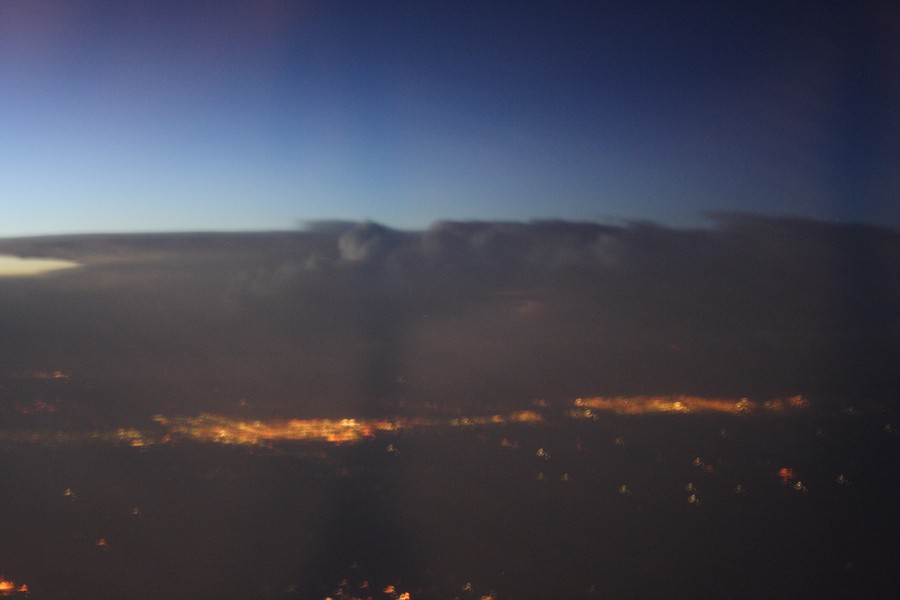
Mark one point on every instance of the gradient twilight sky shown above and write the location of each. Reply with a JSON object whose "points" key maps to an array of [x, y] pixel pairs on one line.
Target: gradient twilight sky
{"points": [[180, 115]]}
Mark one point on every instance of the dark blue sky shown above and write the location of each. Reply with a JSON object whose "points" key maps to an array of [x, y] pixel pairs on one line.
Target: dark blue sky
{"points": [[136, 116]]}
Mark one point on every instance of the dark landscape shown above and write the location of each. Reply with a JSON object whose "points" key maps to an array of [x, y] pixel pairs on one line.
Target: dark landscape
{"points": [[476, 410]]}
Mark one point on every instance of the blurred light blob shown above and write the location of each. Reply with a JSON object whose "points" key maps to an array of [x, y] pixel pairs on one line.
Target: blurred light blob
{"points": [[787, 475], [8, 588], [16, 266]]}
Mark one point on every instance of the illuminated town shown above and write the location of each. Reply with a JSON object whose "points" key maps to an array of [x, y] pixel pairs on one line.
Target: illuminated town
{"points": [[221, 429], [225, 430], [643, 405], [563, 461], [10, 588]]}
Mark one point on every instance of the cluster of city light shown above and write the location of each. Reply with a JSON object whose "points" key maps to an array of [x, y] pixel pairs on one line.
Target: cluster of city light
{"points": [[8, 588], [354, 591], [641, 405], [217, 428], [225, 430]]}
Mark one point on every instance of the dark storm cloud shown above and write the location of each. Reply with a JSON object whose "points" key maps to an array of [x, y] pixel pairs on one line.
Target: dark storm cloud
{"points": [[357, 317]]}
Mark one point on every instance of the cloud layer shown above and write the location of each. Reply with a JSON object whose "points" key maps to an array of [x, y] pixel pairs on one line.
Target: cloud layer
{"points": [[357, 318]]}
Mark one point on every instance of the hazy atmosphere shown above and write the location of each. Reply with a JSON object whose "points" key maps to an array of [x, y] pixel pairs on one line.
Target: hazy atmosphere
{"points": [[307, 300], [356, 317]]}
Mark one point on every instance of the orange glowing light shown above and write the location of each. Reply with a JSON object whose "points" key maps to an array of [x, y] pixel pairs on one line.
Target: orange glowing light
{"points": [[526, 416], [786, 474], [220, 429], [8, 588], [637, 405]]}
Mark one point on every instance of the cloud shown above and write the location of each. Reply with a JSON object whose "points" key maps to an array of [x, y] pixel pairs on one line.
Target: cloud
{"points": [[361, 318], [368, 242]]}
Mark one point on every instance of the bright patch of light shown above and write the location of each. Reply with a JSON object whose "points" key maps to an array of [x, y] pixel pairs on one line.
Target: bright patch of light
{"points": [[16, 266]]}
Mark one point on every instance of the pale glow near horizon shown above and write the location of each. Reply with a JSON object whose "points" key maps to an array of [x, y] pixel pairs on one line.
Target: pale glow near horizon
{"points": [[16, 266]]}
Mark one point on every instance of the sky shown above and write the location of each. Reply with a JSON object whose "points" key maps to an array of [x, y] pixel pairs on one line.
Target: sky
{"points": [[231, 116]]}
